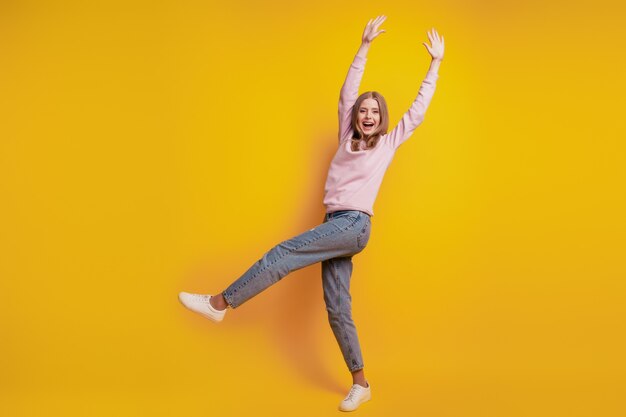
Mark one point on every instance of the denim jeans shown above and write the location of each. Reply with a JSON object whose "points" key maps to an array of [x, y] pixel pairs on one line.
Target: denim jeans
{"points": [[341, 235]]}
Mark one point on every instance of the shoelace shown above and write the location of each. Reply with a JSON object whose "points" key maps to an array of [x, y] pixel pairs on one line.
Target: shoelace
{"points": [[353, 392], [200, 297]]}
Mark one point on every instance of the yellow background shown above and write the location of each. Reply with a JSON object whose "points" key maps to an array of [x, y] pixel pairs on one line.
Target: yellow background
{"points": [[152, 147]]}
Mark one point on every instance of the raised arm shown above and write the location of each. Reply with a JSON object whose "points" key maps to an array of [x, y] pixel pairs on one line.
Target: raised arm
{"points": [[415, 115], [350, 89]]}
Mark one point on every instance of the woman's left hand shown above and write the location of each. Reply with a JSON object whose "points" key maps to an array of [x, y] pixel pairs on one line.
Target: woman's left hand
{"points": [[437, 45]]}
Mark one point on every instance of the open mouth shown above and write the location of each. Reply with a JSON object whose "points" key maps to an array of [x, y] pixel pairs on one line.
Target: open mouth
{"points": [[368, 125]]}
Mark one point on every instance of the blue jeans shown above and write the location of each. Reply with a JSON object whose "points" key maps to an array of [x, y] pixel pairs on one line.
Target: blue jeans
{"points": [[341, 235]]}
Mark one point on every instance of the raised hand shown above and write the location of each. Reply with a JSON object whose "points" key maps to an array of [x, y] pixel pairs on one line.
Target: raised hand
{"points": [[437, 45], [371, 29]]}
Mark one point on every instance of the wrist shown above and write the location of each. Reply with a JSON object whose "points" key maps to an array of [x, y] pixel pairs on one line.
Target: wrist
{"points": [[363, 49]]}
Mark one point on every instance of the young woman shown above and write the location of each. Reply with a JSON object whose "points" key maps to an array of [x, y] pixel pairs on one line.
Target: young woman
{"points": [[356, 172]]}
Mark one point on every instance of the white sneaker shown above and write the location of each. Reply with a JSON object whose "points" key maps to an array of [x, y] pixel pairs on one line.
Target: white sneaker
{"points": [[200, 304], [357, 396]]}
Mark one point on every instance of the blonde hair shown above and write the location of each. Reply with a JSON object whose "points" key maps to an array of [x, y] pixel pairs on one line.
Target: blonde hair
{"points": [[374, 137]]}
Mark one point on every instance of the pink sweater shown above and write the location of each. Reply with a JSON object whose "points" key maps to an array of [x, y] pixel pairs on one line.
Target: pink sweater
{"points": [[354, 177]]}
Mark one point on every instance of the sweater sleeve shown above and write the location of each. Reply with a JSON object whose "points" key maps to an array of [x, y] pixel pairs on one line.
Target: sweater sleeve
{"points": [[415, 115], [348, 95]]}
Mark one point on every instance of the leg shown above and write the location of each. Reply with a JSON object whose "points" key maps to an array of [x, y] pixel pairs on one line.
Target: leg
{"points": [[333, 238], [358, 377], [336, 275]]}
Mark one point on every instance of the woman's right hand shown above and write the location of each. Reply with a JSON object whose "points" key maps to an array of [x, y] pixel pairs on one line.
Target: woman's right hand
{"points": [[371, 29]]}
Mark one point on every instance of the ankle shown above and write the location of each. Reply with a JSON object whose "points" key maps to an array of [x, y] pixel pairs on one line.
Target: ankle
{"points": [[363, 383], [218, 302]]}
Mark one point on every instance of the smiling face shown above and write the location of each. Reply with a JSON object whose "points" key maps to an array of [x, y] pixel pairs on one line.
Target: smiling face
{"points": [[368, 116]]}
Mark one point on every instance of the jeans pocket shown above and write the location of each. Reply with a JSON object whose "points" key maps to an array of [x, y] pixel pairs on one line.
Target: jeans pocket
{"points": [[364, 235]]}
